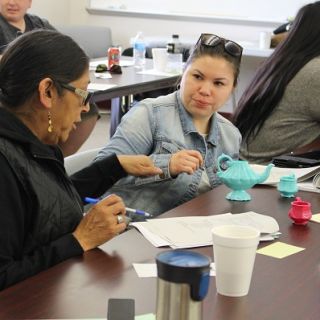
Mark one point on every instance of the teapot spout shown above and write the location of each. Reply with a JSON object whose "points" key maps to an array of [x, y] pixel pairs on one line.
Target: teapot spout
{"points": [[265, 175]]}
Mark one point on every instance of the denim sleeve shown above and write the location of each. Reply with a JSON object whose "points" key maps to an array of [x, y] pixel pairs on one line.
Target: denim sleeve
{"points": [[134, 136]]}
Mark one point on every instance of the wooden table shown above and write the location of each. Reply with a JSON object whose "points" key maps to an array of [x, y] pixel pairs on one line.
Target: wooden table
{"points": [[281, 289]]}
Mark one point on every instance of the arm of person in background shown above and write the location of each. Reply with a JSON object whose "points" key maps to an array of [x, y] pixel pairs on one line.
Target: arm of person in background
{"points": [[135, 136], [99, 176]]}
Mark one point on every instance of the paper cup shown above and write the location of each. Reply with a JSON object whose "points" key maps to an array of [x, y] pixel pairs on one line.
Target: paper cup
{"points": [[160, 59], [234, 249], [175, 63], [265, 40]]}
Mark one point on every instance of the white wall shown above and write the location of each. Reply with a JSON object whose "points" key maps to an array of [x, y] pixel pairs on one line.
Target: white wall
{"points": [[270, 10], [123, 28], [56, 11], [78, 13]]}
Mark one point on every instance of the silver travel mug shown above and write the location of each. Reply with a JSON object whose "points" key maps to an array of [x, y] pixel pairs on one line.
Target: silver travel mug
{"points": [[183, 281]]}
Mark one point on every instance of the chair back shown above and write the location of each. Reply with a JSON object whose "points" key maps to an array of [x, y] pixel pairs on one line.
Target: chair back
{"points": [[94, 40], [79, 160]]}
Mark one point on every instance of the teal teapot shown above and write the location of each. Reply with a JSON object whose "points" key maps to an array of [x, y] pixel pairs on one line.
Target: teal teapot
{"points": [[239, 176]]}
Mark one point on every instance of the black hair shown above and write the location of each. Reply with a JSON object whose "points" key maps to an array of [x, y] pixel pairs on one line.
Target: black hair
{"points": [[218, 50], [269, 83], [34, 56]]}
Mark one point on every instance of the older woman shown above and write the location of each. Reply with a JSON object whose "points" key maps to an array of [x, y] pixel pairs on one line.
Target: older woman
{"points": [[43, 81], [182, 132]]}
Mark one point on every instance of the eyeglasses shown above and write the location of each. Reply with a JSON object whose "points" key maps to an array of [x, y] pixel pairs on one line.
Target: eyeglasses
{"points": [[212, 40], [85, 95]]}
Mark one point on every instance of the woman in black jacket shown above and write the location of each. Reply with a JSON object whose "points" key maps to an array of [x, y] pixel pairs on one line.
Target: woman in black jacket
{"points": [[43, 81]]}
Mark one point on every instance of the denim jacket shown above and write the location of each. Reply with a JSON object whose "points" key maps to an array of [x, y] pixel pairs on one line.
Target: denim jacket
{"points": [[160, 127]]}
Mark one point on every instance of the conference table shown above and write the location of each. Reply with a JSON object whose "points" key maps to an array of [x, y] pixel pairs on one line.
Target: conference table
{"points": [[80, 287], [130, 82]]}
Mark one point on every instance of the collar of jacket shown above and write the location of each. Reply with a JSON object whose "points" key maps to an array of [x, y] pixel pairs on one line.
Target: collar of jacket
{"points": [[12, 128]]}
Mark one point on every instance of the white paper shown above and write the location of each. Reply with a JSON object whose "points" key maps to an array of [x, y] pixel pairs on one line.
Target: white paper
{"points": [[149, 270], [103, 75], [123, 63], [308, 186], [100, 86], [276, 173], [190, 232], [149, 235]]}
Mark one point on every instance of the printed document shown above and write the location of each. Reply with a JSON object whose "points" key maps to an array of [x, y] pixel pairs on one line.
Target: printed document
{"points": [[195, 231], [308, 178]]}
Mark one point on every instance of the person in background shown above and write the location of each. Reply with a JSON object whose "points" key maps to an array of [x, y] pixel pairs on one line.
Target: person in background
{"points": [[279, 111], [14, 21], [42, 94], [182, 131]]}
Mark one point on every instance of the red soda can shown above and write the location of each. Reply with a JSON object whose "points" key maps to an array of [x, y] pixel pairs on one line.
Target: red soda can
{"points": [[113, 56]]}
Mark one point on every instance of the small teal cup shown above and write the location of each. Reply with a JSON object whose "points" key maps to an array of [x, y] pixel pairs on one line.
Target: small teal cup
{"points": [[288, 186]]}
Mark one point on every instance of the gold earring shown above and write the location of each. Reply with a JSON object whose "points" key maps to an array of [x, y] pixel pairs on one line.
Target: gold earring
{"points": [[50, 126]]}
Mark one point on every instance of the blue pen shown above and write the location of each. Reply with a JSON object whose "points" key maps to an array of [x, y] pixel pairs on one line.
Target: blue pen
{"points": [[135, 211]]}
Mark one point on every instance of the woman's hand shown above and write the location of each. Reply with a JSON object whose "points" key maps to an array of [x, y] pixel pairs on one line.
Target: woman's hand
{"points": [[187, 161], [100, 224], [138, 165]]}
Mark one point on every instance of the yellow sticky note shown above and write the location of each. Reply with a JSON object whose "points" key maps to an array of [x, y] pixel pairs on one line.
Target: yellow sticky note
{"points": [[279, 250], [315, 217]]}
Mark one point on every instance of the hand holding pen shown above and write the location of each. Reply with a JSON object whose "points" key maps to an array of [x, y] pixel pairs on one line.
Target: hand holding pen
{"points": [[134, 211], [101, 223]]}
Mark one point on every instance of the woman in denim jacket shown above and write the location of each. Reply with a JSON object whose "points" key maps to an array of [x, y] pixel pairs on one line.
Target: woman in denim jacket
{"points": [[182, 132]]}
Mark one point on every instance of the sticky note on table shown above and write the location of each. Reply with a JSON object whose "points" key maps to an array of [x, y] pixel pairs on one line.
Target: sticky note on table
{"points": [[315, 217], [279, 250]]}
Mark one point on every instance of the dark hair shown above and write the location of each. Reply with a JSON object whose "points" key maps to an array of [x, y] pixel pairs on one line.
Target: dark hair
{"points": [[34, 56], [200, 50], [269, 83]]}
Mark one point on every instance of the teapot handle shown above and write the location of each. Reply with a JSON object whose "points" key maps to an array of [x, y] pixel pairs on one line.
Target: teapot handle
{"points": [[223, 158]]}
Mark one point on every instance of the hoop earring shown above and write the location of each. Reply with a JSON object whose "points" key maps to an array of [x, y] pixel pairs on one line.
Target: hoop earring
{"points": [[50, 126]]}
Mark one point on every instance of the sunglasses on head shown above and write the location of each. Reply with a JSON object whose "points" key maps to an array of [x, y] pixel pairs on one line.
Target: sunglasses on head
{"points": [[212, 40], [85, 95]]}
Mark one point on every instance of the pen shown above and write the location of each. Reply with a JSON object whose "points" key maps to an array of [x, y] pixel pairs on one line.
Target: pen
{"points": [[135, 211]]}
